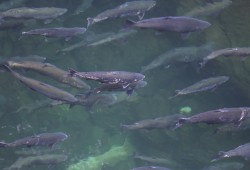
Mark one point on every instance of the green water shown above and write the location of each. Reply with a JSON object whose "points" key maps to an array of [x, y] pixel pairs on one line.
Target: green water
{"points": [[93, 132]]}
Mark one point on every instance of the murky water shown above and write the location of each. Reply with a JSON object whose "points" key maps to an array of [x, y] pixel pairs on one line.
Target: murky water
{"points": [[93, 132]]}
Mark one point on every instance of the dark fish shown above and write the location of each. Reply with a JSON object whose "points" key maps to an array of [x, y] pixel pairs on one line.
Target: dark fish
{"points": [[220, 116], [166, 122], [47, 159], [43, 139], [242, 151], [123, 78], [50, 71], [150, 168], [227, 52], [44, 13], [43, 88], [181, 24], [119, 87], [127, 9], [203, 85], [66, 33]]}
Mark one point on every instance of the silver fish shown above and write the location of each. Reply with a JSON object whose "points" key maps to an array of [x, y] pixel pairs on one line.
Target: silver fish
{"points": [[47, 159], [83, 7], [220, 116], [44, 13], [227, 52], [181, 54], [154, 160], [123, 78], [60, 32], [150, 168], [180, 24], [43, 139], [127, 9], [119, 35], [43, 88], [50, 71], [242, 151], [203, 85], [209, 9], [166, 122]]}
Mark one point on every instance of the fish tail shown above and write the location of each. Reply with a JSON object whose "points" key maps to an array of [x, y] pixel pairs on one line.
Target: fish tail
{"points": [[90, 21], [3, 144], [5, 67], [220, 155], [124, 127], [170, 98], [72, 72], [183, 120], [143, 69], [130, 22]]}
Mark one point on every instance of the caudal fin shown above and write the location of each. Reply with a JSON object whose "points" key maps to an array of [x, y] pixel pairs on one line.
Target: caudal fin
{"points": [[130, 23], [124, 127], [220, 155], [3, 144], [90, 21], [72, 72]]}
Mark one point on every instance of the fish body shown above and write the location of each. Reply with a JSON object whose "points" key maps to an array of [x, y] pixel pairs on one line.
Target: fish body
{"points": [[127, 9], [43, 139], [120, 87], [59, 32], [181, 54], [43, 13], [203, 85], [245, 125], [119, 35], [227, 52], [242, 151], [123, 78], [166, 122], [179, 24], [50, 71], [150, 168], [153, 160], [83, 7], [43, 88], [225, 166], [209, 9], [220, 116], [47, 159]]}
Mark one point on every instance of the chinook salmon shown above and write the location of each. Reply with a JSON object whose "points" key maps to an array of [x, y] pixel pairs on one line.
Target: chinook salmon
{"points": [[123, 78], [60, 32], [43, 88], [227, 52], [46, 159], [242, 151], [220, 116], [44, 13], [166, 122], [203, 85], [180, 24], [43, 139], [50, 71], [127, 9]]}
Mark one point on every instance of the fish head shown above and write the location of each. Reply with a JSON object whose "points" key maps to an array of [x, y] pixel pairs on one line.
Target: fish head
{"points": [[202, 25]]}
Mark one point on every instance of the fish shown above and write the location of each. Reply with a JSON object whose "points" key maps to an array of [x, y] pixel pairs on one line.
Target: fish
{"points": [[242, 151], [219, 116], [123, 78], [227, 52], [43, 139], [119, 87], [209, 9], [49, 70], [150, 168], [120, 35], [225, 166], [180, 24], [43, 13], [202, 85], [166, 122], [43, 88], [127, 9], [154, 160], [46, 159], [86, 4], [60, 32], [180, 54]]}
